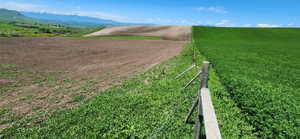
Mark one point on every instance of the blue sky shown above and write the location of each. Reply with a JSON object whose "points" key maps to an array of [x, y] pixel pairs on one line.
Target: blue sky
{"points": [[252, 13]]}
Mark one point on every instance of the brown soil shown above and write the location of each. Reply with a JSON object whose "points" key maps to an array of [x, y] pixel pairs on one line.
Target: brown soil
{"points": [[166, 32], [106, 61]]}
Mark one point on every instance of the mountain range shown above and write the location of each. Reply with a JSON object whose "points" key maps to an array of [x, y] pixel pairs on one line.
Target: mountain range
{"points": [[69, 20]]}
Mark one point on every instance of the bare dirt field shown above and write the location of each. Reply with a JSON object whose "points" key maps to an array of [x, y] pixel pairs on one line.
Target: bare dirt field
{"points": [[166, 32], [38, 75]]}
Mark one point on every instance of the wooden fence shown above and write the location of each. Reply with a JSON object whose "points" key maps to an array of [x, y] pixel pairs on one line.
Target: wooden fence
{"points": [[206, 114]]}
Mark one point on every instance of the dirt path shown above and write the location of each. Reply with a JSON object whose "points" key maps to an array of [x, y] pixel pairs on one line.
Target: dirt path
{"points": [[39, 75], [166, 32]]}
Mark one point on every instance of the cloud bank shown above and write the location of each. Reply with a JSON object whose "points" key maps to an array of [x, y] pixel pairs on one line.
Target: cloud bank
{"points": [[268, 25], [219, 10], [41, 9]]}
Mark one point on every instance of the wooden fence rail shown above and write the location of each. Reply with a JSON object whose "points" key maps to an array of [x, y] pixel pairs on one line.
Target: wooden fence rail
{"points": [[206, 113]]}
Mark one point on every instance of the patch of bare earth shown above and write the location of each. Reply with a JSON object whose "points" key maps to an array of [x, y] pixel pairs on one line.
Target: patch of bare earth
{"points": [[55, 73], [166, 32]]}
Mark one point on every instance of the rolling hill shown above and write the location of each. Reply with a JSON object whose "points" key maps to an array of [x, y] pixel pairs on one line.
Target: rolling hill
{"points": [[7, 16]]}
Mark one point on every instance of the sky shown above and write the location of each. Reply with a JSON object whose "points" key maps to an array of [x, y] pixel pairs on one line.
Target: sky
{"points": [[226, 13]]}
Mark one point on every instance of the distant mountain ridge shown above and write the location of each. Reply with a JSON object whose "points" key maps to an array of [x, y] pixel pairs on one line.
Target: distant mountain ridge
{"points": [[7, 16], [75, 20], [71, 20]]}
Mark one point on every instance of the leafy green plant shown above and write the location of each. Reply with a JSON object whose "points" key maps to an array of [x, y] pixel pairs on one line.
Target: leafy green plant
{"points": [[35, 108], [77, 98], [3, 111], [259, 68]]}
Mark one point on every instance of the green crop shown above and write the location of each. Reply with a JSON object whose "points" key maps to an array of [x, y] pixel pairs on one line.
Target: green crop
{"points": [[260, 69]]}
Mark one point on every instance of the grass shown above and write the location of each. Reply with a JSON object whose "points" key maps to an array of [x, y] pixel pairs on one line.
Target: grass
{"points": [[43, 30], [77, 98], [28, 87], [151, 104], [7, 30], [7, 116], [19, 78], [259, 67]]}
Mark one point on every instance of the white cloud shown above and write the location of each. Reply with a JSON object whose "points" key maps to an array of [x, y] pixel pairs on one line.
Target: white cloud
{"points": [[18, 6], [163, 21], [222, 23], [219, 10], [247, 25], [184, 22], [268, 25], [99, 14], [225, 23]]}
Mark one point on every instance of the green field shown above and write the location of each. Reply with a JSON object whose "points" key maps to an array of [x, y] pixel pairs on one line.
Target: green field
{"points": [[152, 104], [254, 82], [260, 69]]}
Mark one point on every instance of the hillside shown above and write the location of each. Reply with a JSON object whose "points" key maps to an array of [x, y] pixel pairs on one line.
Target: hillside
{"points": [[15, 24], [7, 16], [166, 32]]}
